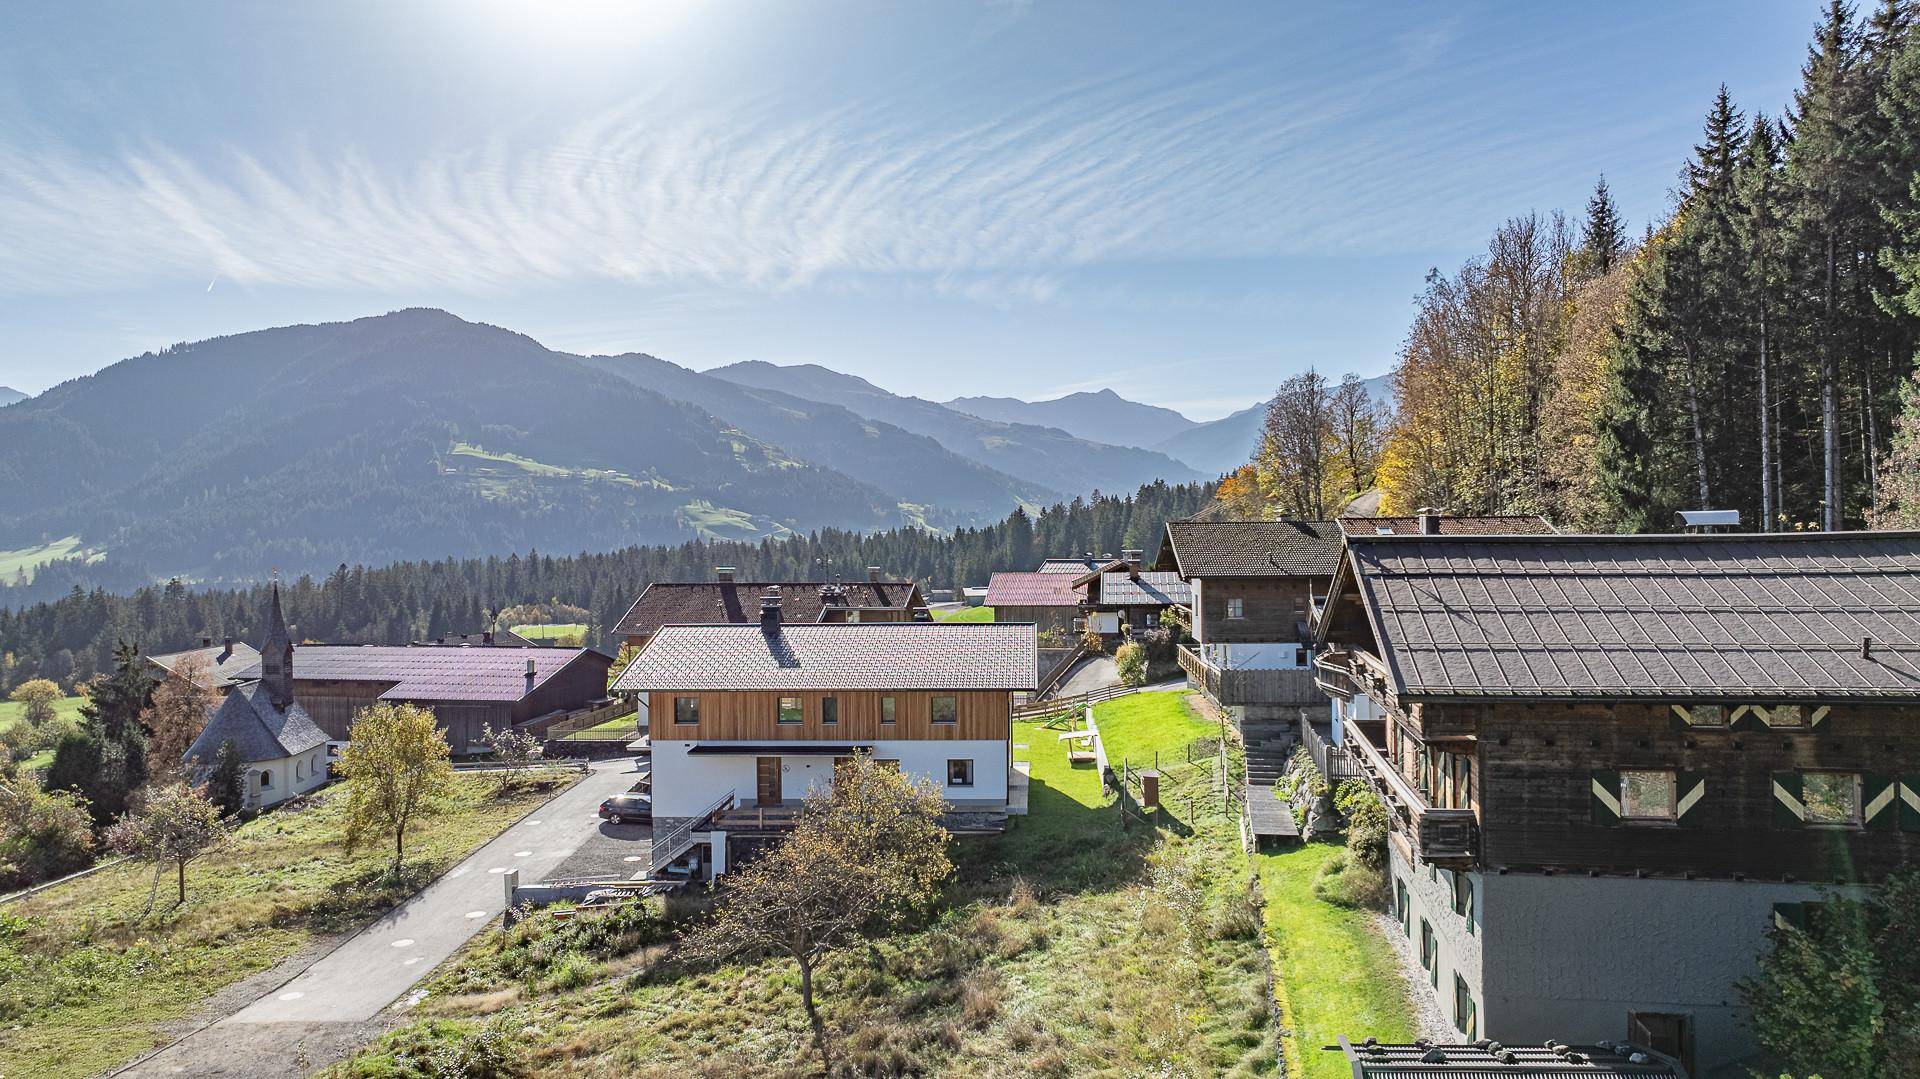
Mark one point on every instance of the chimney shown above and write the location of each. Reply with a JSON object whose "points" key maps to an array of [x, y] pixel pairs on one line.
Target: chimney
{"points": [[530, 668], [206, 642], [874, 575], [486, 637], [770, 609], [724, 574], [1429, 521]]}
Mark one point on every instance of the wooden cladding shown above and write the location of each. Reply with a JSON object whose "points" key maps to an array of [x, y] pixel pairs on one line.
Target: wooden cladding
{"points": [[755, 716], [1270, 609]]}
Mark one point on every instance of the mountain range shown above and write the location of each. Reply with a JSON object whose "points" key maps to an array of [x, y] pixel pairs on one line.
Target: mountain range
{"points": [[8, 395], [417, 434]]}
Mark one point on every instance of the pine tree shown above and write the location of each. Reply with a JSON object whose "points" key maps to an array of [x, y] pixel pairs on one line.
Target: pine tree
{"points": [[1603, 238], [1757, 228]]}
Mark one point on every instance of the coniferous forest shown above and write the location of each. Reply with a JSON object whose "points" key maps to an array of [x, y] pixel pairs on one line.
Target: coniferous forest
{"points": [[73, 638]]}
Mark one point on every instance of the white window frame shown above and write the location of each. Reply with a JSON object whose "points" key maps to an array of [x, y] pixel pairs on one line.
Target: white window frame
{"points": [[1236, 608]]}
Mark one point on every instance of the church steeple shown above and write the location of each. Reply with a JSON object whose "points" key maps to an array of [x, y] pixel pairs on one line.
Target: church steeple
{"points": [[276, 656]]}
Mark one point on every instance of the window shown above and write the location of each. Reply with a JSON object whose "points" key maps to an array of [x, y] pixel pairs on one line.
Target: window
{"points": [[1783, 715], [889, 763], [946, 710], [1831, 797], [1466, 1018], [1403, 905], [1664, 1032], [299, 770], [1704, 715], [686, 709], [959, 773], [1648, 796], [829, 709], [266, 780], [1236, 608], [1463, 897], [886, 710], [790, 711], [1430, 952]]}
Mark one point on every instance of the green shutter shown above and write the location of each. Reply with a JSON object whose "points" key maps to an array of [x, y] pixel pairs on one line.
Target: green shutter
{"points": [[1788, 810], [1909, 794], [1690, 790], [1605, 788], [1879, 802]]}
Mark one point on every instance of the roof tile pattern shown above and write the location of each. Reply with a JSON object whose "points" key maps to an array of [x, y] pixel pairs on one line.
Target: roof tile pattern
{"points": [[1255, 548], [486, 673], [220, 663], [862, 655], [1507, 525], [668, 602], [1043, 589], [1075, 566], [1150, 588], [258, 730], [1647, 616]]}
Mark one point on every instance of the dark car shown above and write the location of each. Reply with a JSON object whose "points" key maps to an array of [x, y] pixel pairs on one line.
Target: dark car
{"points": [[622, 808]]}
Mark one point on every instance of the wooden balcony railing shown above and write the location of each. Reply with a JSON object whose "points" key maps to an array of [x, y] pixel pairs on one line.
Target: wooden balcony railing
{"points": [[1250, 685], [1449, 838]]}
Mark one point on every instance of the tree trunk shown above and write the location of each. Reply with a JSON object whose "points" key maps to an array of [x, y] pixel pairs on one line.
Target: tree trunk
{"points": [[182, 866], [399, 847], [1766, 434], [1699, 434], [813, 1014], [1829, 404]]}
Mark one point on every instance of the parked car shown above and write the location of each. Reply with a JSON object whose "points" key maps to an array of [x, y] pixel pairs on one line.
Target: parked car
{"points": [[622, 808]]}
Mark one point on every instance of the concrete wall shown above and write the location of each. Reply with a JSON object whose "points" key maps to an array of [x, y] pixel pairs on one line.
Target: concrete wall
{"points": [[291, 777], [685, 785]]}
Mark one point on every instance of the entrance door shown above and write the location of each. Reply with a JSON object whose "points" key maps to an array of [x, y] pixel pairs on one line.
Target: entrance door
{"points": [[768, 787]]}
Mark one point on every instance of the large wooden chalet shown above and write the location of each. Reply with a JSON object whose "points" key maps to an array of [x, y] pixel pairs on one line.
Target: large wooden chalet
{"points": [[728, 599], [1612, 761]]}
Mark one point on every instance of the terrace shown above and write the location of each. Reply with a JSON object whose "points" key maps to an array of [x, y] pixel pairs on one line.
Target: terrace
{"points": [[1449, 838]]}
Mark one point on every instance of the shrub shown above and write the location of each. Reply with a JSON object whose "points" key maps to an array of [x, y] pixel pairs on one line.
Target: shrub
{"points": [[1130, 661], [1367, 822], [1093, 644], [1239, 917], [1346, 881]]}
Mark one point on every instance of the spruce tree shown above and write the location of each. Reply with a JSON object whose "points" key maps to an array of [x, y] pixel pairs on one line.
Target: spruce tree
{"points": [[1603, 238]]}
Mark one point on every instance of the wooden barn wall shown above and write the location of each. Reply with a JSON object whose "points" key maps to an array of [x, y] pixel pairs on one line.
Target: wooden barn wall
{"points": [[1274, 608], [748, 716], [1060, 618], [581, 683], [334, 704]]}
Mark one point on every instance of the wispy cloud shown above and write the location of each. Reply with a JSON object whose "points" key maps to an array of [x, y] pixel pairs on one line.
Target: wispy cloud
{"points": [[993, 208]]}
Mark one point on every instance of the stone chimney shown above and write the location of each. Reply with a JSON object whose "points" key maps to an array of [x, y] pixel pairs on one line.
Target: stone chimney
{"points": [[874, 574], [1429, 521], [724, 574], [206, 642], [770, 609]]}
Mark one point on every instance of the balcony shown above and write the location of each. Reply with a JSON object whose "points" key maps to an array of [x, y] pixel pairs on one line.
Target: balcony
{"points": [[1251, 685], [1449, 838]]}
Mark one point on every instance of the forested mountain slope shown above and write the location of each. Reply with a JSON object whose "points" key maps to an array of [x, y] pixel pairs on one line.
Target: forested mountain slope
{"points": [[1045, 455], [1102, 416]]}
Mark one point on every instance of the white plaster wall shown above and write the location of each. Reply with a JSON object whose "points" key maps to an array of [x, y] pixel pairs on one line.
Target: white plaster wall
{"points": [[685, 785], [1430, 896], [292, 776], [1569, 956], [1258, 656]]}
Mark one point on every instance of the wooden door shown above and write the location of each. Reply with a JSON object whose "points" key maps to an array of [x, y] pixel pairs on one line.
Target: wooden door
{"points": [[768, 788]]}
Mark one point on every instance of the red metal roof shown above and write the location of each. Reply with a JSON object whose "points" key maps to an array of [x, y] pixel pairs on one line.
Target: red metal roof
{"points": [[1032, 590]]}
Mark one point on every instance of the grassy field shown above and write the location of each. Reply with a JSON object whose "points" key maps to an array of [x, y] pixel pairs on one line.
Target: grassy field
{"points": [[1066, 946], [67, 708], [87, 981], [27, 559], [1136, 727], [1337, 975], [554, 631], [966, 614], [613, 728]]}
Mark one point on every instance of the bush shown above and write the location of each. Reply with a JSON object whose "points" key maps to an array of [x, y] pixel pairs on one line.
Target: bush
{"points": [[1093, 643], [1367, 822], [43, 834], [1130, 661], [1346, 881]]}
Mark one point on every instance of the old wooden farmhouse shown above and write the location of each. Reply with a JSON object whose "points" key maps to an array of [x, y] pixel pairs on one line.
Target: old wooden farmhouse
{"points": [[729, 599]]}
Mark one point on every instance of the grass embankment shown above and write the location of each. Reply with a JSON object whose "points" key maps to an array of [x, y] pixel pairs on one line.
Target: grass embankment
{"points": [[87, 981], [1337, 974], [965, 614], [565, 633], [1067, 946], [626, 726]]}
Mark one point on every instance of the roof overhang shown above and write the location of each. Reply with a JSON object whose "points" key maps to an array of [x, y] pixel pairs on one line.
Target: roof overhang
{"points": [[776, 749]]}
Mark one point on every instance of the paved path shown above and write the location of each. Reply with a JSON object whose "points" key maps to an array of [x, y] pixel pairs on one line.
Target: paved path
{"points": [[349, 986], [1095, 672]]}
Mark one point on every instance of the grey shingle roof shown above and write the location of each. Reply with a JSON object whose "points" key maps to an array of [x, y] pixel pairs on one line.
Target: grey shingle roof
{"points": [[864, 655], [668, 602], [1151, 587], [1503, 525], [261, 732], [221, 663], [1032, 590], [432, 673], [1075, 566], [1253, 548], [1646, 616]]}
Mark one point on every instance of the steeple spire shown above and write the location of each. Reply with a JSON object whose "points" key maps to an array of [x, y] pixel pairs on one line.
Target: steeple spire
{"points": [[276, 655]]}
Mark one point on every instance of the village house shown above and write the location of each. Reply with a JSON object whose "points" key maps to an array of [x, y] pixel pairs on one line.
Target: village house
{"points": [[219, 665], [1119, 598], [1613, 761], [1045, 599], [282, 750], [748, 719], [728, 599]]}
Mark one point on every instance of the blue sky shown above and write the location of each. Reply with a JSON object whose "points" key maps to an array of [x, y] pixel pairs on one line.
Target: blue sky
{"points": [[1186, 202]]}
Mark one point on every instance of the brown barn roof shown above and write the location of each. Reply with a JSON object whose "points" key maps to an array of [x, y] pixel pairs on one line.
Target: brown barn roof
{"points": [[1006, 589], [1772, 616], [425, 673], [1251, 548], [850, 656], [222, 663], [668, 602]]}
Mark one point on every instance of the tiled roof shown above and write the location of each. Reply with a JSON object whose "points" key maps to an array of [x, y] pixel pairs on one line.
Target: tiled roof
{"points": [[1517, 524], [1150, 587], [666, 602], [257, 729], [1253, 548], [1075, 566], [432, 673], [1032, 590], [1779, 616], [862, 655], [1483, 1060], [221, 663]]}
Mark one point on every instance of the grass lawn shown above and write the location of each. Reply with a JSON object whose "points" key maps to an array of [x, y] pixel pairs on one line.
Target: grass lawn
{"points": [[1137, 726], [966, 614], [613, 728], [27, 559], [67, 708], [1067, 946], [554, 631], [87, 981], [1337, 975]]}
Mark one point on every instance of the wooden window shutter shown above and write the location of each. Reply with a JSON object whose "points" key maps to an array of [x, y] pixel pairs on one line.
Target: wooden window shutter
{"points": [[1690, 796], [1606, 797], [1910, 803], [1788, 810], [1879, 802]]}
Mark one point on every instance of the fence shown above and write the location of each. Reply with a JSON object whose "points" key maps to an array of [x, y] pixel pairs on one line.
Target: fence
{"points": [[1250, 685], [1063, 705], [1334, 762], [584, 719]]}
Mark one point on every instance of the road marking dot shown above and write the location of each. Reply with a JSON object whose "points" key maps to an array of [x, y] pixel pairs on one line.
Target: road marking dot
{"points": [[403, 942], [412, 960], [532, 822], [477, 914], [521, 853], [296, 995], [631, 858], [498, 869]]}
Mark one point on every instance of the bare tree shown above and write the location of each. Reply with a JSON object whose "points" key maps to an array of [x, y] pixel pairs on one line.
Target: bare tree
{"points": [[514, 749], [1295, 447], [175, 716], [1359, 432]]}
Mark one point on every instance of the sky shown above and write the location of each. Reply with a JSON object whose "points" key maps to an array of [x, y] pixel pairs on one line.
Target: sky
{"points": [[1184, 202]]}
